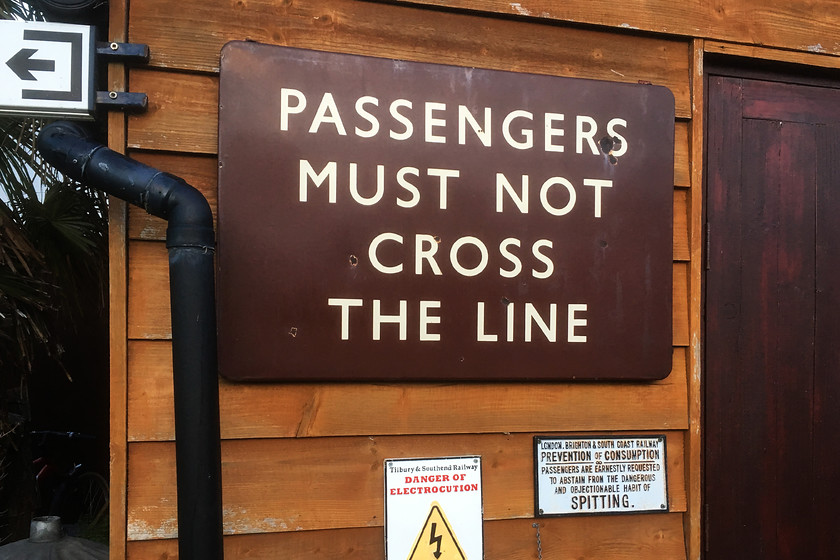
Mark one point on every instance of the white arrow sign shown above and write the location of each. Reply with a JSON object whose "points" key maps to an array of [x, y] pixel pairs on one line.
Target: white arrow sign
{"points": [[46, 69]]}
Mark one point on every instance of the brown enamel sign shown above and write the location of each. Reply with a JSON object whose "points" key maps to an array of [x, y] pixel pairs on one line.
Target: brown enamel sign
{"points": [[389, 220]]}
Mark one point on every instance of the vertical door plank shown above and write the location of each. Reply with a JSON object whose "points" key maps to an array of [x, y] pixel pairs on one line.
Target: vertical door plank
{"points": [[827, 330], [794, 366], [722, 290], [752, 458]]}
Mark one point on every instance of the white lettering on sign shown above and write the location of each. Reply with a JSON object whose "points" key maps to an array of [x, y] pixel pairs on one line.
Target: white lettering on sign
{"points": [[600, 475], [330, 174], [391, 253], [426, 249], [531, 321], [516, 127]]}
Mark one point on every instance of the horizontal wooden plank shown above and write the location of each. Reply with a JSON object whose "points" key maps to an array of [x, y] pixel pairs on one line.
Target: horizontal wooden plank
{"points": [[803, 26], [148, 294], [199, 171], [182, 114], [251, 410], [300, 484], [809, 58], [148, 290], [682, 163], [190, 34], [682, 250], [616, 537], [680, 302]]}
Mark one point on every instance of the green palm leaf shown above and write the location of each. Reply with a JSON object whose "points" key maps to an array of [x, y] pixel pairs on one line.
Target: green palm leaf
{"points": [[52, 236]]}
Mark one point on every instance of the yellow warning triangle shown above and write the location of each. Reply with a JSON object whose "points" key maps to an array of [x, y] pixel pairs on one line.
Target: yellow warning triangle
{"points": [[436, 540]]}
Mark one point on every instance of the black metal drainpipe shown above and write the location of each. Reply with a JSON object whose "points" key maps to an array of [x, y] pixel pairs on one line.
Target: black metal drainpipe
{"points": [[191, 243]]}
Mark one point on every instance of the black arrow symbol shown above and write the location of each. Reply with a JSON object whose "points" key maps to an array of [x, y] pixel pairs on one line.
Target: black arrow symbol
{"points": [[23, 64], [433, 539]]}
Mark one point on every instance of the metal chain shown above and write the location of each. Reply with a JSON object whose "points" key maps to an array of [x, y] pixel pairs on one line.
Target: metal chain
{"points": [[539, 542]]}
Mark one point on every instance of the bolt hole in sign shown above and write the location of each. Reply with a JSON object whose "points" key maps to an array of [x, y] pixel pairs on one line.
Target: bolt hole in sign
{"points": [[433, 509], [390, 220]]}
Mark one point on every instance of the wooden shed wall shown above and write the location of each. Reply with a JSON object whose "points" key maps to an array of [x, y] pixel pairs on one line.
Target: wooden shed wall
{"points": [[303, 463]]}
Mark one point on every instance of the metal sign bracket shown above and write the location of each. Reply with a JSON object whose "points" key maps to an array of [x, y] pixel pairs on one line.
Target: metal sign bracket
{"points": [[127, 53]]}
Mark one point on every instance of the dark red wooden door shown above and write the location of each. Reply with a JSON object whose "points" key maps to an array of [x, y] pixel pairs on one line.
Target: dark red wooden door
{"points": [[772, 334]]}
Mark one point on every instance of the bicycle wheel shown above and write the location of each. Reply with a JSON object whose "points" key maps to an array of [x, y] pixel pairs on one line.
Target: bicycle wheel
{"points": [[86, 503]]}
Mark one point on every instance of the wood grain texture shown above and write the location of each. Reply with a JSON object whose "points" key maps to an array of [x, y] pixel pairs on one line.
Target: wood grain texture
{"points": [[117, 304], [148, 309], [826, 359], [682, 173], [681, 328], [189, 35], [681, 220], [574, 538], [694, 444], [304, 484], [118, 368], [809, 58], [182, 114], [318, 410], [802, 26]]}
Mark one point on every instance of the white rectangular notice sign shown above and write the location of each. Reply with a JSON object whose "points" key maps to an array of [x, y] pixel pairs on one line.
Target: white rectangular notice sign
{"points": [[608, 474], [46, 69], [433, 509]]}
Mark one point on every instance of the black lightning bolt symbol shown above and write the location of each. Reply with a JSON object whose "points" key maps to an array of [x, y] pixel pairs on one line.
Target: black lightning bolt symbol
{"points": [[435, 539]]}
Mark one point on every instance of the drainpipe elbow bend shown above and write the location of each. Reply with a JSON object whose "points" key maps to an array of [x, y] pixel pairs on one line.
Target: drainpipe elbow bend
{"points": [[189, 216], [66, 146]]}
